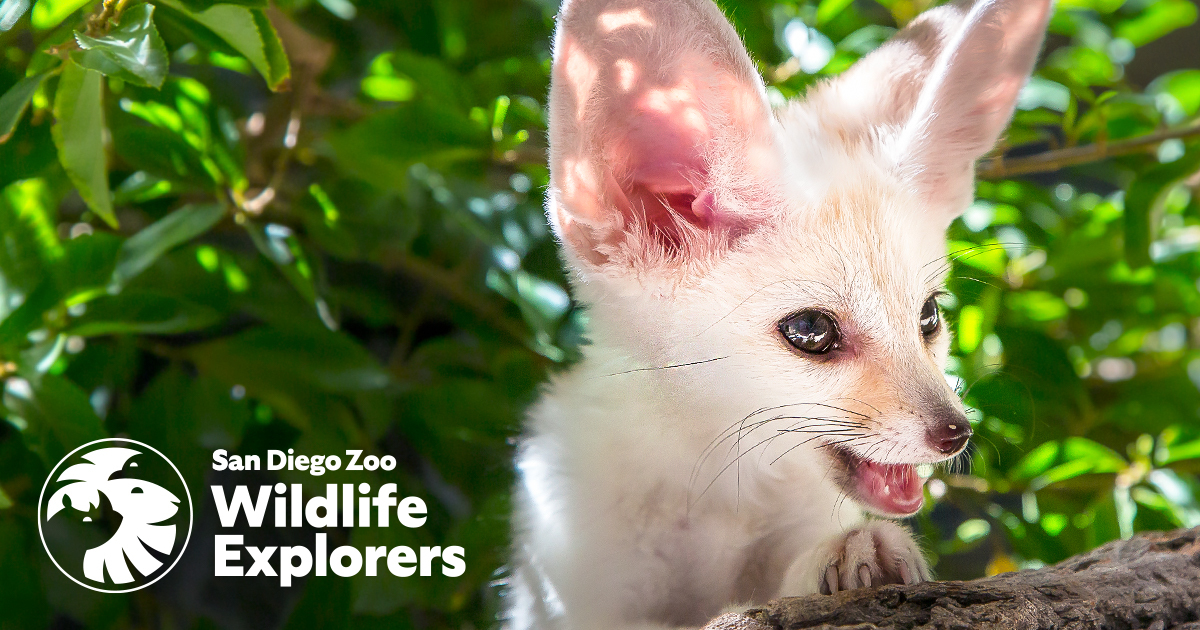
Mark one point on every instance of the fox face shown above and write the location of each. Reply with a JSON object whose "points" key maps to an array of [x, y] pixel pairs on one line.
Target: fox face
{"points": [[781, 265]]}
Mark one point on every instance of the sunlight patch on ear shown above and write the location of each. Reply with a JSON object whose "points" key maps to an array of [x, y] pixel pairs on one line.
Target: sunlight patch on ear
{"points": [[626, 74], [614, 20], [581, 75]]}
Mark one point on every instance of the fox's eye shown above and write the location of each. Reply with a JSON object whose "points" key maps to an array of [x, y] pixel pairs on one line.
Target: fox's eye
{"points": [[930, 320], [810, 331]]}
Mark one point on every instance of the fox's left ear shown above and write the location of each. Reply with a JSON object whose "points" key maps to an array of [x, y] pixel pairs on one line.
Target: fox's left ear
{"points": [[969, 96]]}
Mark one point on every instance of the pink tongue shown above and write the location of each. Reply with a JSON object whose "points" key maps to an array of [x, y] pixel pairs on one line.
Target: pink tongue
{"points": [[890, 488]]}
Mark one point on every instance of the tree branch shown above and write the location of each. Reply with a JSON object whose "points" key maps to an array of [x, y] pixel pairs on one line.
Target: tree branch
{"points": [[1000, 168], [1149, 581]]}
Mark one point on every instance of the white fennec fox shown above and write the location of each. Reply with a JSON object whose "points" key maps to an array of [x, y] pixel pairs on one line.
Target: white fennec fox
{"points": [[766, 358]]}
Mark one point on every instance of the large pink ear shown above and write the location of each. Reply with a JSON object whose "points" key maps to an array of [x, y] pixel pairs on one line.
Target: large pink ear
{"points": [[969, 97], [661, 139]]}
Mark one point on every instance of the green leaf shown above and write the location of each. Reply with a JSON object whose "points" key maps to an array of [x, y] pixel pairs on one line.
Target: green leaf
{"points": [[271, 358], [142, 313], [87, 265], [279, 70], [1145, 199], [1159, 18], [249, 32], [28, 242], [381, 148], [11, 11], [187, 417], [1035, 462], [132, 50], [143, 248], [1183, 86], [1179, 452], [1081, 65], [22, 597], [1039, 306], [50, 13], [57, 414], [201, 5], [15, 101], [28, 316], [829, 9], [281, 247], [79, 135], [989, 256]]}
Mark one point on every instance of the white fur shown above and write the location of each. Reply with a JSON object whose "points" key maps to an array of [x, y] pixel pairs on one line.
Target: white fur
{"points": [[681, 467]]}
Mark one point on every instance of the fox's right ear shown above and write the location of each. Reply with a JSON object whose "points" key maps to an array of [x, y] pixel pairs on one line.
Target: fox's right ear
{"points": [[661, 139]]}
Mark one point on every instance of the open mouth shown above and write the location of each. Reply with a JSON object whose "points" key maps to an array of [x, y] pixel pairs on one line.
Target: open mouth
{"points": [[889, 489]]}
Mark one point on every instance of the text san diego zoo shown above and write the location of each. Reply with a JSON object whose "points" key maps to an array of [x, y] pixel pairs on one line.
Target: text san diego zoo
{"points": [[342, 505]]}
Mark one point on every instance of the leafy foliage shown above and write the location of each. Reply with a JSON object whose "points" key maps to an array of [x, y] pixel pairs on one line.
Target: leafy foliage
{"points": [[319, 226]]}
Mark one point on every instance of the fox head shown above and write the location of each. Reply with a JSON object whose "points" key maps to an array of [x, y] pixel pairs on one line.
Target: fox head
{"points": [[799, 249]]}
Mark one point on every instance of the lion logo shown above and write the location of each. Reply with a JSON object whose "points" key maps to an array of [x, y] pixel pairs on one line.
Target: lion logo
{"points": [[102, 489]]}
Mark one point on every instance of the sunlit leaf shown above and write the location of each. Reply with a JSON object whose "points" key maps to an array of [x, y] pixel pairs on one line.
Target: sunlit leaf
{"points": [[281, 247], [201, 5], [1182, 86], [1053, 524], [132, 50], [1180, 452], [1158, 19], [1083, 456], [249, 32], [1036, 462], [973, 529], [50, 13], [141, 313], [1040, 306], [989, 257], [15, 101], [79, 135], [381, 148], [1101, 6], [11, 11], [829, 9], [143, 248], [1145, 198], [1084, 65]]}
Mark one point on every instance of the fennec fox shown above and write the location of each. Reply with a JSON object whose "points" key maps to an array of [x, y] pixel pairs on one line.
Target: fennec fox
{"points": [[766, 358]]}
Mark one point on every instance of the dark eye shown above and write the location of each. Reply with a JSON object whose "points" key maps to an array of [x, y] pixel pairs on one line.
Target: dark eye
{"points": [[810, 331], [930, 319]]}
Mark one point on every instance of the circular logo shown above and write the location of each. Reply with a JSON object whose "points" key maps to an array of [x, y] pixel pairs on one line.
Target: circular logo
{"points": [[115, 515]]}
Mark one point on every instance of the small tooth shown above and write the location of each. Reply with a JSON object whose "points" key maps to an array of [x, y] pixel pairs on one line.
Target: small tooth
{"points": [[887, 490]]}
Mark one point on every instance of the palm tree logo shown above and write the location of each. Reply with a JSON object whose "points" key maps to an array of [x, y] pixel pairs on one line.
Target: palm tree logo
{"points": [[143, 546]]}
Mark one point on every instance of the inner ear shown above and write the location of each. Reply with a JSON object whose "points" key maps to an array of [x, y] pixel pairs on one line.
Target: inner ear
{"points": [[660, 135]]}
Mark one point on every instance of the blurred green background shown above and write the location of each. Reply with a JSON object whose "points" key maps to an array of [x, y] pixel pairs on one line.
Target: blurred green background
{"points": [[319, 225]]}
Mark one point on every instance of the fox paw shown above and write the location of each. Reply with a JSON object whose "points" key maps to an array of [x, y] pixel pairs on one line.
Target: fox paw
{"points": [[877, 553]]}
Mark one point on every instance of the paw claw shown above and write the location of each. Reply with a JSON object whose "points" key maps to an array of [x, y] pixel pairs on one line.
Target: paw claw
{"points": [[906, 573], [830, 585], [877, 553]]}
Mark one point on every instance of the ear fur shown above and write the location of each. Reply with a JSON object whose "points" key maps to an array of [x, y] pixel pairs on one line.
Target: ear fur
{"points": [[937, 96], [661, 140], [969, 97]]}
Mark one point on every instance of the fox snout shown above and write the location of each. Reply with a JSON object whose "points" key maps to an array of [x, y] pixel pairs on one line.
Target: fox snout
{"points": [[942, 429], [948, 432]]}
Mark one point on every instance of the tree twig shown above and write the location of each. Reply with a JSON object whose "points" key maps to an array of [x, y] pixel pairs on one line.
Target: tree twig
{"points": [[1001, 168], [450, 286]]}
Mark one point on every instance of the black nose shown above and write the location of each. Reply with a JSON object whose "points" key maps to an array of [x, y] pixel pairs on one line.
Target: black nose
{"points": [[949, 437]]}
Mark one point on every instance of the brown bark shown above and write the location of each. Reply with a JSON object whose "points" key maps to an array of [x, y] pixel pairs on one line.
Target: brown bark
{"points": [[1151, 581]]}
